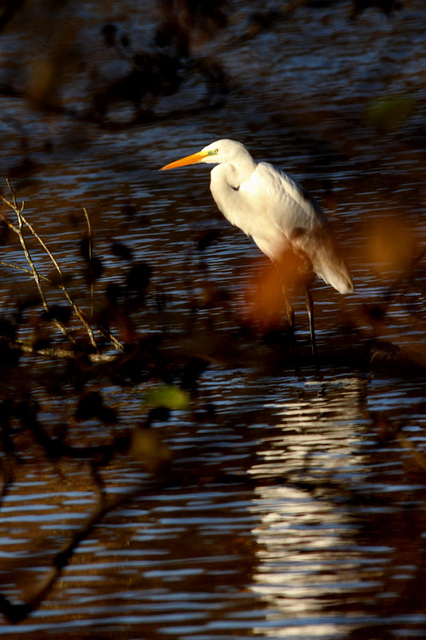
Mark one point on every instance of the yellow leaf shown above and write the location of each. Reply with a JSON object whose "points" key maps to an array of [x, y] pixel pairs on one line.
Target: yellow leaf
{"points": [[147, 447], [168, 396], [388, 113]]}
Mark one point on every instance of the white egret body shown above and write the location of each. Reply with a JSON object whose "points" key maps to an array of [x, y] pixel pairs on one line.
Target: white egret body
{"points": [[273, 209]]}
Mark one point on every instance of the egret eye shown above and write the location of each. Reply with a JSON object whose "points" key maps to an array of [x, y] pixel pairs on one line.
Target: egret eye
{"points": [[216, 151]]}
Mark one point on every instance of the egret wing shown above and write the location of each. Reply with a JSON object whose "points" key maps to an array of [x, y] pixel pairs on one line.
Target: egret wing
{"points": [[302, 222]]}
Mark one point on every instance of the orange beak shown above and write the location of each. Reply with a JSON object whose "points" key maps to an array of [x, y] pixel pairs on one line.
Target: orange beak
{"points": [[192, 159]]}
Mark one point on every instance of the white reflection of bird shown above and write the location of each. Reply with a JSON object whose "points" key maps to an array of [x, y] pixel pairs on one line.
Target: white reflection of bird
{"points": [[275, 211]]}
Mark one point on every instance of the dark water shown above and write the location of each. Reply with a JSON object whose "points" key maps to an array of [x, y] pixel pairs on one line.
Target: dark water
{"points": [[295, 508]]}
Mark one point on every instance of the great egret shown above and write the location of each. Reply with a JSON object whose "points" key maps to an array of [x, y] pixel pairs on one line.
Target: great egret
{"points": [[276, 212]]}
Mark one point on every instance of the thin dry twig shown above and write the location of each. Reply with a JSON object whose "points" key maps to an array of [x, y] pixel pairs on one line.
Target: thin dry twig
{"points": [[19, 268], [19, 232], [62, 286], [39, 277], [90, 238]]}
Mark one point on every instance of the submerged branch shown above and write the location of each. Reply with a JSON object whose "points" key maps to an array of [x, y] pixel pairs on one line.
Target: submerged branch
{"points": [[56, 352], [17, 612]]}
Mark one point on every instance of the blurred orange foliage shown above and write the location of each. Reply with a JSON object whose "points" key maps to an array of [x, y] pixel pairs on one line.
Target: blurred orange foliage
{"points": [[266, 299], [391, 245]]}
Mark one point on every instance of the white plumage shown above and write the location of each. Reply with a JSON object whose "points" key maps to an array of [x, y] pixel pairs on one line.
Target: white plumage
{"points": [[274, 210]]}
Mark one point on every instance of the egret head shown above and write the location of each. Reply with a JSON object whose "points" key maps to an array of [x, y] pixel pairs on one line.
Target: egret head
{"points": [[215, 153]]}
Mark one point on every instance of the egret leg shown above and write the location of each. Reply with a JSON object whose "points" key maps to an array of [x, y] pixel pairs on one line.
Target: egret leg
{"points": [[310, 309], [289, 310], [290, 317]]}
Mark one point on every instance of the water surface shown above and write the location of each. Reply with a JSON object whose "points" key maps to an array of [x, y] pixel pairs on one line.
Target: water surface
{"points": [[295, 503]]}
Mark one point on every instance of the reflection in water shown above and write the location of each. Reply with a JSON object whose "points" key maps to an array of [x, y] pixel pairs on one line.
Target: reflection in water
{"points": [[322, 538], [317, 564], [318, 426], [307, 554]]}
